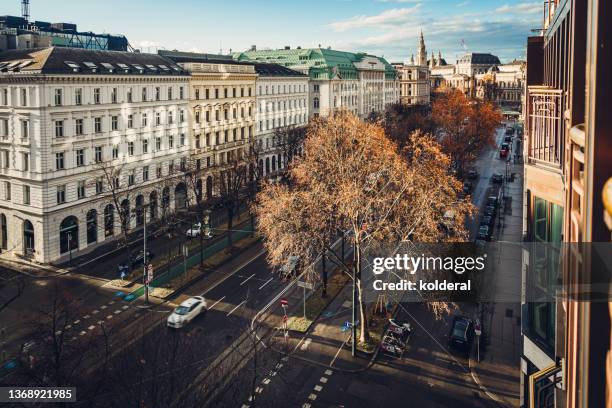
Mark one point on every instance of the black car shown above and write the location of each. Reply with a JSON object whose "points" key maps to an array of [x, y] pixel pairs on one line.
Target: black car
{"points": [[461, 333], [137, 260], [484, 233], [467, 187], [509, 130], [489, 210], [497, 178], [487, 220], [492, 201], [472, 174]]}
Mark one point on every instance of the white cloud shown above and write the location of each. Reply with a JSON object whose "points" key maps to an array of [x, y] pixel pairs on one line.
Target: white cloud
{"points": [[147, 44], [463, 3], [521, 8], [399, 1], [386, 18]]}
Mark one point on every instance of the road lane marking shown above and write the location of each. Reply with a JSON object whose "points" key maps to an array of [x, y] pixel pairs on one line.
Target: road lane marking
{"points": [[306, 344], [109, 316], [237, 306], [95, 312], [258, 390], [323, 380], [247, 279], [268, 281], [82, 333], [91, 327], [312, 397], [86, 317], [214, 304], [68, 326], [112, 302], [338, 352], [260, 253], [306, 405], [118, 311], [124, 307], [265, 381], [76, 322], [318, 388], [103, 307]]}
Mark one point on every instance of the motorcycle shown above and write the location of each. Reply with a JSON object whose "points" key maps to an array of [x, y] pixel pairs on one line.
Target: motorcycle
{"points": [[401, 328]]}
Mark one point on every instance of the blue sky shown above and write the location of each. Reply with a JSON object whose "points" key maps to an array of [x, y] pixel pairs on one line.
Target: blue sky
{"points": [[384, 27]]}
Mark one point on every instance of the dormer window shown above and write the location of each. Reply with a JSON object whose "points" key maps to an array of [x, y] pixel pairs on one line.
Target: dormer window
{"points": [[91, 66], [108, 66], [73, 65]]}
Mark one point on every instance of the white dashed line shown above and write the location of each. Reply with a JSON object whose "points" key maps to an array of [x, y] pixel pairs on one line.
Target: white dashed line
{"points": [[318, 388], [68, 326], [258, 390], [306, 405], [214, 304], [265, 381], [328, 372], [112, 302], [82, 333], [279, 366], [124, 307], [86, 317], [323, 380], [76, 322], [246, 280], [234, 309], [103, 307], [265, 283], [91, 327], [95, 312], [118, 311], [57, 333], [306, 344], [312, 397], [109, 316], [100, 322]]}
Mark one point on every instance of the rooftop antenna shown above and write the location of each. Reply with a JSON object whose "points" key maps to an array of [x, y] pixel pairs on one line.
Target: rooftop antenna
{"points": [[25, 10]]}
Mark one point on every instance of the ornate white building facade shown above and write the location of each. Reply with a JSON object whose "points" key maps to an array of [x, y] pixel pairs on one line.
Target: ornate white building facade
{"points": [[282, 102], [69, 116]]}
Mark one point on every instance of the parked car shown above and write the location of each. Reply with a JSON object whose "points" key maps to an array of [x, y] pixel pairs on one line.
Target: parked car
{"points": [[391, 348], [399, 327], [137, 261], [493, 201], [467, 187], [472, 174], [510, 130], [461, 333], [487, 220], [497, 178], [196, 230], [490, 210], [504, 150], [186, 312], [484, 233], [508, 139]]}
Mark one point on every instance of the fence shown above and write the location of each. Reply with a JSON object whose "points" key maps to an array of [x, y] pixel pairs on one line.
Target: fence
{"points": [[193, 260]]}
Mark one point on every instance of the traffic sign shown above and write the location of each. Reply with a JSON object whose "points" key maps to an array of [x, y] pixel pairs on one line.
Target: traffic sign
{"points": [[305, 285]]}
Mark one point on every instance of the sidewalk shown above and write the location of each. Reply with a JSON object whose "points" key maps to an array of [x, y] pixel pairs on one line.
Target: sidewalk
{"points": [[324, 344], [498, 371]]}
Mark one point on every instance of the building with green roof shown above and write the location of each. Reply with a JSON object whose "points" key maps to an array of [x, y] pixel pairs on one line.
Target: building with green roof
{"points": [[359, 82]]}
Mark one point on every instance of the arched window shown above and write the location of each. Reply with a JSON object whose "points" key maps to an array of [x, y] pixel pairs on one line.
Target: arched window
{"points": [[109, 220], [3, 232], [199, 190], [273, 163], [28, 238], [125, 214], [92, 226], [153, 205], [69, 234], [140, 210], [267, 165], [316, 102], [180, 196], [279, 162]]}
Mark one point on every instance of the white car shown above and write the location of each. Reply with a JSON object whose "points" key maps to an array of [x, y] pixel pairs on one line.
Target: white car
{"points": [[187, 311], [196, 230]]}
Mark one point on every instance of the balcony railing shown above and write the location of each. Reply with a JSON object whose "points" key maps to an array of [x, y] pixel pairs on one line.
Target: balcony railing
{"points": [[546, 126]]}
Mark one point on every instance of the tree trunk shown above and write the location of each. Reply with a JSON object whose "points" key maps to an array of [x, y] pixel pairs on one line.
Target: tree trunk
{"points": [[363, 323]]}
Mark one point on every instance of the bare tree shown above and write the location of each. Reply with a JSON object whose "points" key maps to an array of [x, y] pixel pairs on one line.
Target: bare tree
{"points": [[231, 183], [353, 178]]}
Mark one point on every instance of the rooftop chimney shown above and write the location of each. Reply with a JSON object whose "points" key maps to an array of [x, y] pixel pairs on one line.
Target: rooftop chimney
{"points": [[287, 47], [253, 48]]}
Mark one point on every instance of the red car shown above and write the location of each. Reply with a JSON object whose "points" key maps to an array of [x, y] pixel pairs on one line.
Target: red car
{"points": [[503, 151]]}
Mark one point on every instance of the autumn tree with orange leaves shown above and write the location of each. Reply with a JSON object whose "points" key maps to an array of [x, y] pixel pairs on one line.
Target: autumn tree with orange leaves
{"points": [[465, 126], [353, 178]]}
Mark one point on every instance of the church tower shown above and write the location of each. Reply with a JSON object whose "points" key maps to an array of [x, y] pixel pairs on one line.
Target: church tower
{"points": [[422, 52], [439, 61]]}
